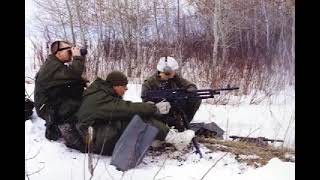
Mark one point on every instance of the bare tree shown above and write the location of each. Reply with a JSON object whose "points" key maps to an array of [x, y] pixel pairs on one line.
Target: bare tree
{"points": [[81, 22], [155, 3], [250, 42]]}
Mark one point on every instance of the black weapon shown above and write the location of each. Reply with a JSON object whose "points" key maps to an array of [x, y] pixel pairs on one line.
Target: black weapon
{"points": [[182, 94], [256, 140], [176, 98]]}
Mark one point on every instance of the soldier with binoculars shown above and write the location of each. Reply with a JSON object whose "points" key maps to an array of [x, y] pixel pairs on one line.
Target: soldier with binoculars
{"points": [[59, 86]]}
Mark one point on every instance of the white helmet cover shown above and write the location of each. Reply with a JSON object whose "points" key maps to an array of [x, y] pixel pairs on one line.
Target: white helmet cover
{"points": [[170, 65]]}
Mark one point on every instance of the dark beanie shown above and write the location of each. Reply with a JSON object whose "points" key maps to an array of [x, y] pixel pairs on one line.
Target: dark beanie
{"points": [[117, 78]]}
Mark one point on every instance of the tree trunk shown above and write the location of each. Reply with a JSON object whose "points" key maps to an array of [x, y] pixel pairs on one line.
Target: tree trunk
{"points": [[71, 22], [215, 33], [166, 35], [255, 27], [293, 36], [124, 38], [61, 20], [179, 42], [178, 22], [267, 24], [82, 35], [138, 35], [248, 44], [155, 19]]}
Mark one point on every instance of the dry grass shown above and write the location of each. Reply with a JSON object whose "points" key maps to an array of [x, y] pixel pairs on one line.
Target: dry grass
{"points": [[259, 155], [245, 152]]}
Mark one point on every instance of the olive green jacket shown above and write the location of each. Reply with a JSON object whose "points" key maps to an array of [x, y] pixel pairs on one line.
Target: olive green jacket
{"points": [[59, 84], [109, 115], [189, 107], [102, 106]]}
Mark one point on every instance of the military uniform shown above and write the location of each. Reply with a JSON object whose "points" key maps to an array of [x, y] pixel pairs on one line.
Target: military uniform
{"points": [[109, 115], [58, 92], [190, 107]]}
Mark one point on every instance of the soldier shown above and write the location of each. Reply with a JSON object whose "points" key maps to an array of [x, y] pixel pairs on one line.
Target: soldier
{"points": [[167, 78], [59, 87], [104, 109]]}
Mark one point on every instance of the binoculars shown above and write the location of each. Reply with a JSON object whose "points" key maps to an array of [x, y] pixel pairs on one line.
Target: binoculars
{"points": [[83, 51]]}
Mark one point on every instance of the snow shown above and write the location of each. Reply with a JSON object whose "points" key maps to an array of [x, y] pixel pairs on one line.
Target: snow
{"points": [[274, 121], [53, 160]]}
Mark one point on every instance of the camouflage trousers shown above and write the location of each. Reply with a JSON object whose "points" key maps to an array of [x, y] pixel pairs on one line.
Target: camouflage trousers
{"points": [[106, 135]]}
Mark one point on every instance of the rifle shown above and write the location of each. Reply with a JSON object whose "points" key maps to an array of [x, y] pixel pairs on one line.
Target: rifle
{"points": [[176, 98], [257, 140]]}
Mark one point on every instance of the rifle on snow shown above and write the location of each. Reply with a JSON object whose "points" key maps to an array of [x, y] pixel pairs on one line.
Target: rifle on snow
{"points": [[260, 141]]}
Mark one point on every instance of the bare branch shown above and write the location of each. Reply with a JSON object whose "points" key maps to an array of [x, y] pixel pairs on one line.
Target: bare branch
{"points": [[154, 177], [214, 165]]}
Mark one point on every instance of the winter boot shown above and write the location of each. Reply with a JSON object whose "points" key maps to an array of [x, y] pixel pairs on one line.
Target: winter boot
{"points": [[52, 132], [180, 140]]}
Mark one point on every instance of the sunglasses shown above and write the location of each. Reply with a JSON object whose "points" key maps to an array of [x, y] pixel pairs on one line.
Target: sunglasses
{"points": [[65, 48], [168, 73], [61, 49]]}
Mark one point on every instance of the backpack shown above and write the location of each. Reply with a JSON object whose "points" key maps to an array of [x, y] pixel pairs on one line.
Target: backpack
{"points": [[207, 130]]}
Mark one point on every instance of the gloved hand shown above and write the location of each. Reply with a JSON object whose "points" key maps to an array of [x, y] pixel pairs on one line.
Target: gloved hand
{"points": [[163, 107], [191, 88], [150, 102]]}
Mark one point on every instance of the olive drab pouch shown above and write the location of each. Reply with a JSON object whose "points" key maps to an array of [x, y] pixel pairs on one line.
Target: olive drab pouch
{"points": [[28, 111], [133, 144], [28, 108]]}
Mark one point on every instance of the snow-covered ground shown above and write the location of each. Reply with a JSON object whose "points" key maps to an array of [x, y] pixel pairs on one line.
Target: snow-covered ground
{"points": [[272, 118], [53, 160]]}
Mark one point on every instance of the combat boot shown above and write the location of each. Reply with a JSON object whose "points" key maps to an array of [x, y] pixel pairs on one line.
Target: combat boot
{"points": [[71, 137]]}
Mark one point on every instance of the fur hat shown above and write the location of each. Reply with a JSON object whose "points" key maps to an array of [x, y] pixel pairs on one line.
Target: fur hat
{"points": [[117, 78], [167, 64]]}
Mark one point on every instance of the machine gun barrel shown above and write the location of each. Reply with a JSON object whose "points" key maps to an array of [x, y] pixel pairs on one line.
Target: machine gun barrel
{"points": [[180, 94], [271, 140]]}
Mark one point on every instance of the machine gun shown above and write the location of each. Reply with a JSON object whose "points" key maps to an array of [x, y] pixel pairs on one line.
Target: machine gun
{"points": [[176, 97], [182, 94], [260, 141]]}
